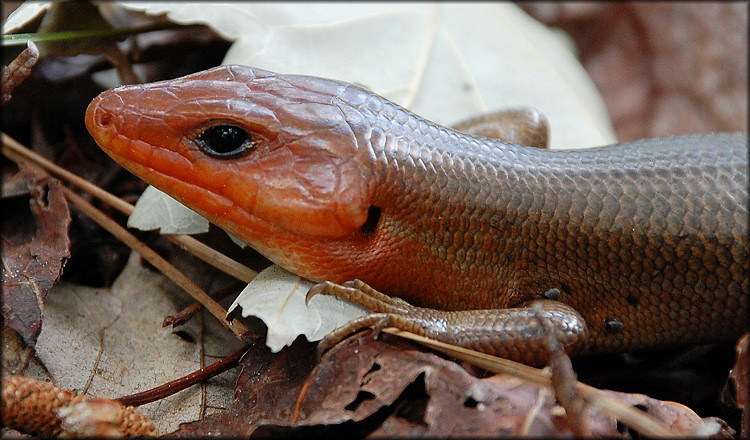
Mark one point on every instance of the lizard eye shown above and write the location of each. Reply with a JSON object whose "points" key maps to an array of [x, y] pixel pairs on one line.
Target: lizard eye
{"points": [[224, 141]]}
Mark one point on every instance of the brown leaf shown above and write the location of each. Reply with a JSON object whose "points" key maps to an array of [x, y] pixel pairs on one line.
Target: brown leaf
{"points": [[358, 377], [398, 389], [388, 387], [677, 417], [424, 394], [266, 392], [666, 68], [35, 249]]}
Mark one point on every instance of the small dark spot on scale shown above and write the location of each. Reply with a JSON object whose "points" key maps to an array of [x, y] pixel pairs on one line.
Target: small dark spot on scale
{"points": [[613, 325], [552, 293], [565, 288], [632, 300], [620, 427]]}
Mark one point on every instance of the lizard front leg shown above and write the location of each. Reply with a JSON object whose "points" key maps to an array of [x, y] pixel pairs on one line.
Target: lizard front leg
{"points": [[514, 333]]}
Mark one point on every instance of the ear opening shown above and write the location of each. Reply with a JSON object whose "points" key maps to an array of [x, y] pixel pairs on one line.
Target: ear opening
{"points": [[373, 217]]}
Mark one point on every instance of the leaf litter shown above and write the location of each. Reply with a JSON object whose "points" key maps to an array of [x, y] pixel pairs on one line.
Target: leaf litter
{"points": [[292, 364]]}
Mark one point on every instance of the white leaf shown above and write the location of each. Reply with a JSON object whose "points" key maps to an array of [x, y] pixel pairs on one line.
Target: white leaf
{"points": [[237, 241], [278, 298], [23, 14], [157, 210], [444, 61]]}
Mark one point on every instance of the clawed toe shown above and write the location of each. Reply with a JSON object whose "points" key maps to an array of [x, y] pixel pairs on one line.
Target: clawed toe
{"points": [[320, 288], [359, 292], [376, 322]]}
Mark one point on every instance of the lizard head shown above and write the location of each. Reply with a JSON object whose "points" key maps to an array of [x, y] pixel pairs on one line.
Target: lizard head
{"points": [[276, 160]]}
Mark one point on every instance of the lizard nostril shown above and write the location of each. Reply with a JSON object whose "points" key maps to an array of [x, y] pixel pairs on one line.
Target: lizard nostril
{"points": [[104, 119]]}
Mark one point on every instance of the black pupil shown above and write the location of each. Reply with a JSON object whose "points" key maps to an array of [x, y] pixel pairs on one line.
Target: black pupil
{"points": [[224, 141]]}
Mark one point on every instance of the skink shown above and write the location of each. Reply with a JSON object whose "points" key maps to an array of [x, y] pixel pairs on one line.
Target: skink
{"points": [[628, 246]]}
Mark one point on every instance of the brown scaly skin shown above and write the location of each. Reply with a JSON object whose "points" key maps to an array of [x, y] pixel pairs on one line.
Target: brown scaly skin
{"points": [[634, 245]]}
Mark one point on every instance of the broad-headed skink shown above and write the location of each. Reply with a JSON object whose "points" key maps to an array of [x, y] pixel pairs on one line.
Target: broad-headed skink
{"points": [[628, 246]]}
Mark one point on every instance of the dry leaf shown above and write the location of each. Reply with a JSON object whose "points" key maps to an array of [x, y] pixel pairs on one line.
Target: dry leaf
{"points": [[663, 68], [68, 17], [114, 339], [278, 298], [361, 377], [445, 62], [23, 14], [267, 390], [35, 249], [18, 70], [386, 387], [157, 210]]}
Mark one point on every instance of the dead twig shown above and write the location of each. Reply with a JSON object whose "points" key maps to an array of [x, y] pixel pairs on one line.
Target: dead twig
{"points": [[184, 382]]}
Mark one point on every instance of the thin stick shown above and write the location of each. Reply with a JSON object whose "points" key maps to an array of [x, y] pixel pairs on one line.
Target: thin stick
{"points": [[186, 242], [12, 145], [184, 382]]}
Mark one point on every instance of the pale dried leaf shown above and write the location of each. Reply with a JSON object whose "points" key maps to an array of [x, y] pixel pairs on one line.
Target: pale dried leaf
{"points": [[444, 61], [23, 14], [157, 210], [237, 241], [278, 298], [124, 323]]}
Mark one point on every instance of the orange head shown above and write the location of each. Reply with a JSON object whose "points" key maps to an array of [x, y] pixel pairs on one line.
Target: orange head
{"points": [[277, 161]]}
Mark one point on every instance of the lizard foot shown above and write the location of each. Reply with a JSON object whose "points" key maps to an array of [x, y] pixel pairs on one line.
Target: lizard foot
{"points": [[515, 333]]}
